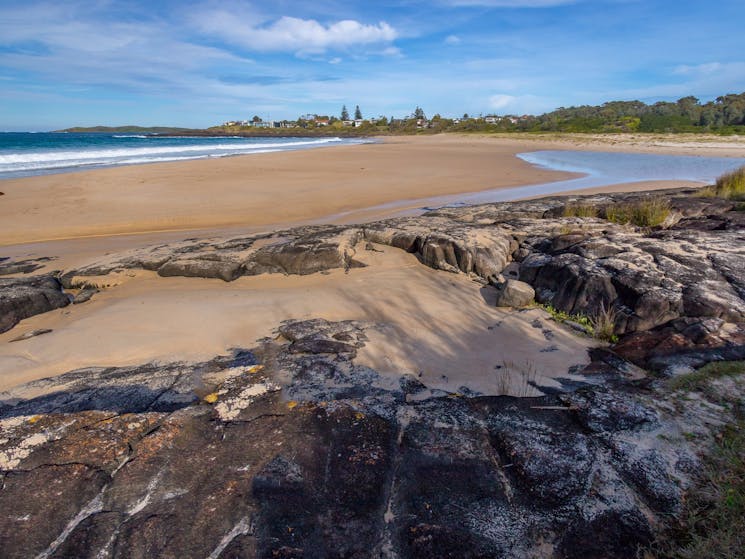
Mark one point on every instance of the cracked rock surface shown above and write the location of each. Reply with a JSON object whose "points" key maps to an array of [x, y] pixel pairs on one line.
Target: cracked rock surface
{"points": [[692, 266], [292, 450]]}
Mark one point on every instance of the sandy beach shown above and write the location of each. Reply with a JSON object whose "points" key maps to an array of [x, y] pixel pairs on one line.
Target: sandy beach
{"points": [[76, 218], [331, 185]]}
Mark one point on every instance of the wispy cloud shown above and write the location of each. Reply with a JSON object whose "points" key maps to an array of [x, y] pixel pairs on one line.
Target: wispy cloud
{"points": [[292, 34], [80, 61]]}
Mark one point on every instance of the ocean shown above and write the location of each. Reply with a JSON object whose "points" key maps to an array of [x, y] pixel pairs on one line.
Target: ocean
{"points": [[25, 154]]}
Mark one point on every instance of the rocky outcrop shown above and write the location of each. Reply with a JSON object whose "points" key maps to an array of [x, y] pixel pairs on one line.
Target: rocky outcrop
{"points": [[293, 450], [300, 251], [24, 297], [9, 267], [640, 278]]}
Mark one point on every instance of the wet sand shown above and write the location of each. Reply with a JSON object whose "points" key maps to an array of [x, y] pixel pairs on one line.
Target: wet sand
{"points": [[250, 191]]}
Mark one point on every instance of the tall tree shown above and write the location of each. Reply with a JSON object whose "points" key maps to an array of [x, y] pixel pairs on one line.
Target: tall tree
{"points": [[419, 113], [357, 113], [344, 113]]}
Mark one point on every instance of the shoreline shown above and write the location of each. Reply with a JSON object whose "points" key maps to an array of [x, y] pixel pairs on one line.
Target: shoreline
{"points": [[332, 184]]}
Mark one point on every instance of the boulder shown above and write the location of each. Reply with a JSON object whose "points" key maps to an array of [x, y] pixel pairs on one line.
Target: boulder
{"points": [[514, 293], [24, 297]]}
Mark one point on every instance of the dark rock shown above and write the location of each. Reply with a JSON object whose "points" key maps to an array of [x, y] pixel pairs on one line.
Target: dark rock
{"points": [[609, 535], [24, 297], [552, 467], [198, 268], [604, 411], [336, 464], [8, 267]]}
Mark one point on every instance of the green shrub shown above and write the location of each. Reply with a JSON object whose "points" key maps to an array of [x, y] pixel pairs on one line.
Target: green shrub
{"points": [[649, 212]]}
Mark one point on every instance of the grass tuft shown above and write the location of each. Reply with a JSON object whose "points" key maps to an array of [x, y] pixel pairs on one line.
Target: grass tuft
{"points": [[579, 210], [650, 212], [601, 326], [713, 523], [604, 324], [730, 186], [698, 380]]}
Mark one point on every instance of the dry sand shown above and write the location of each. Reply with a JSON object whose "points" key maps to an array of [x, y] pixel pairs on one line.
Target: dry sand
{"points": [[258, 190], [441, 326], [335, 184]]}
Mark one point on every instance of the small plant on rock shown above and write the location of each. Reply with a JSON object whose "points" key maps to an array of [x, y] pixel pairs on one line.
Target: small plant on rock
{"points": [[579, 210], [604, 324], [649, 212]]}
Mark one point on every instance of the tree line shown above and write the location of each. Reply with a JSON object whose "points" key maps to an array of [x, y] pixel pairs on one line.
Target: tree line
{"points": [[688, 114]]}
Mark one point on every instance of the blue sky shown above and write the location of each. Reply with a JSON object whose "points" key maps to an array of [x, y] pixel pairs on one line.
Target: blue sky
{"points": [[151, 62]]}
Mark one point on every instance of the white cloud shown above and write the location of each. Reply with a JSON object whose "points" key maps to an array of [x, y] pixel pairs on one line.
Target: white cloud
{"points": [[288, 34], [699, 69], [501, 101], [335, 60], [452, 40], [391, 51]]}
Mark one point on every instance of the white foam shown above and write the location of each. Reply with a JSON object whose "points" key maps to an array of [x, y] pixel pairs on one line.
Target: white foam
{"points": [[50, 159]]}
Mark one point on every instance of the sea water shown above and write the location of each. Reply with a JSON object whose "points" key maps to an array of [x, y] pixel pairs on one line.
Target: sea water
{"points": [[26, 153], [600, 169]]}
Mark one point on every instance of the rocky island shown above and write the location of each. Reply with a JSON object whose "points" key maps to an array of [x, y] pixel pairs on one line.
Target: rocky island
{"points": [[307, 444]]}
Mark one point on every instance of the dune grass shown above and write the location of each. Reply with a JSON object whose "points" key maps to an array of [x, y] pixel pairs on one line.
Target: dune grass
{"points": [[730, 186], [648, 212], [579, 210]]}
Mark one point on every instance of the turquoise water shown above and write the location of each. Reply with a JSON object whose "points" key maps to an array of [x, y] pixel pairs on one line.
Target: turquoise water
{"points": [[25, 154]]}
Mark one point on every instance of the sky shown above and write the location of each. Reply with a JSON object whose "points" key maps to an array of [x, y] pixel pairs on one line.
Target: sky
{"points": [[195, 64]]}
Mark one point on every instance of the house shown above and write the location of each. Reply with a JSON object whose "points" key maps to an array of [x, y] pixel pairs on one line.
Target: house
{"points": [[263, 124], [492, 119], [322, 121]]}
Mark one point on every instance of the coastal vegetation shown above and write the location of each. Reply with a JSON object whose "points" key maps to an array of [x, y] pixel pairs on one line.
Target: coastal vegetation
{"points": [[580, 210], [730, 186], [601, 326], [650, 212], [713, 524], [725, 115], [698, 380], [129, 129]]}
